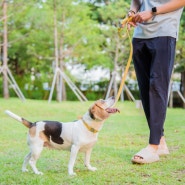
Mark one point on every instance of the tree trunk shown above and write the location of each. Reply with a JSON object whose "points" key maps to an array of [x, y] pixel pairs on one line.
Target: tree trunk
{"points": [[58, 96], [61, 57], [183, 85], [5, 55]]}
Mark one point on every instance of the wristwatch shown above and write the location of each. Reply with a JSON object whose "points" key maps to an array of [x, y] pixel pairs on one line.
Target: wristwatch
{"points": [[154, 10]]}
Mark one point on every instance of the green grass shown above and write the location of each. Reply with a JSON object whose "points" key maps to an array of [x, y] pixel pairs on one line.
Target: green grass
{"points": [[121, 137]]}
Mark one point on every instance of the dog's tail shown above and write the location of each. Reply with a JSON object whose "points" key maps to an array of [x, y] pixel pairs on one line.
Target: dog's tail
{"points": [[18, 118]]}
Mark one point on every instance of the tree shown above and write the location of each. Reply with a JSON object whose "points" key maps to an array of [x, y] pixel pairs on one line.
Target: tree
{"points": [[115, 47], [31, 44], [87, 35], [78, 35], [180, 56], [4, 53]]}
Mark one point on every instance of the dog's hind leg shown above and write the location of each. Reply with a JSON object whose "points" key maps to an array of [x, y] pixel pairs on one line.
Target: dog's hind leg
{"points": [[87, 160], [26, 160], [35, 154]]}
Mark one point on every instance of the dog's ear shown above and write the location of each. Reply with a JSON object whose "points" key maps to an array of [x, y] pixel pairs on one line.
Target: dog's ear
{"points": [[97, 112], [91, 113]]}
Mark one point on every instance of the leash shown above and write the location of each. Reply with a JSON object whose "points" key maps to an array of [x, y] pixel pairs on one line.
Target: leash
{"points": [[120, 29]]}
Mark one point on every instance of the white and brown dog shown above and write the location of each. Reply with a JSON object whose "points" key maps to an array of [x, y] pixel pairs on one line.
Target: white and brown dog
{"points": [[80, 135]]}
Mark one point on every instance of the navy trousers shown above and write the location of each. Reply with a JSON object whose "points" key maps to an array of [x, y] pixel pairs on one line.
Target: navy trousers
{"points": [[153, 62]]}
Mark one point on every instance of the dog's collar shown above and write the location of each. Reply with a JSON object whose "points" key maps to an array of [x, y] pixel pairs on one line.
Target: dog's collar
{"points": [[89, 128]]}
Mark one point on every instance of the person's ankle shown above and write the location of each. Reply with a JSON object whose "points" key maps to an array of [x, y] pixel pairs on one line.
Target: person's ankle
{"points": [[153, 147], [162, 140], [163, 144]]}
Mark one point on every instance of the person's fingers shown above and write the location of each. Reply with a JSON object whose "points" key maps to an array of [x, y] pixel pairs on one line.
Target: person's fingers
{"points": [[138, 18], [128, 27], [132, 24]]}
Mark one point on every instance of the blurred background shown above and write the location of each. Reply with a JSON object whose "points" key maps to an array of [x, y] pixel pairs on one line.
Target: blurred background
{"points": [[70, 50]]}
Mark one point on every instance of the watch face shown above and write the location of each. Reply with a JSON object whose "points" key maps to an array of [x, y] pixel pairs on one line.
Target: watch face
{"points": [[154, 9]]}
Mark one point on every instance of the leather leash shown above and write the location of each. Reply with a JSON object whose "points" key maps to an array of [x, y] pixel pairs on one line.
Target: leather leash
{"points": [[120, 29]]}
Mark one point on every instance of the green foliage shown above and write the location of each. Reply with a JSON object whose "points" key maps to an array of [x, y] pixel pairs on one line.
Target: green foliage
{"points": [[121, 137], [180, 57], [87, 34], [115, 47]]}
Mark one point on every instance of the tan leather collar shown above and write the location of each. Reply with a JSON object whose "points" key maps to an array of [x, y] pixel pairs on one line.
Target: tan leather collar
{"points": [[89, 128]]}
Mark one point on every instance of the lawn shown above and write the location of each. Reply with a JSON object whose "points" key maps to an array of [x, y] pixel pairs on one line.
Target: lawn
{"points": [[122, 136]]}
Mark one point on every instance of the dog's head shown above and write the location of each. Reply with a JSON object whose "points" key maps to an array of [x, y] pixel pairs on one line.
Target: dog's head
{"points": [[102, 109]]}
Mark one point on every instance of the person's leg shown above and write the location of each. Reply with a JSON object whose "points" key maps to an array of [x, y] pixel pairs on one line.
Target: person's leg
{"points": [[163, 49], [142, 62], [153, 63], [142, 58]]}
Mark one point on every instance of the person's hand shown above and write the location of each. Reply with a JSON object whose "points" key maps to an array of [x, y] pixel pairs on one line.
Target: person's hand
{"points": [[131, 23], [144, 16]]}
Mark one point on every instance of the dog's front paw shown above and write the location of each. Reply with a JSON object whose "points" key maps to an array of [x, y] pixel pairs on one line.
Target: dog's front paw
{"points": [[39, 173], [72, 174], [91, 168], [24, 170]]}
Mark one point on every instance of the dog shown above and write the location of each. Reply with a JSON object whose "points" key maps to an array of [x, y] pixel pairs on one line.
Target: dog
{"points": [[76, 136]]}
